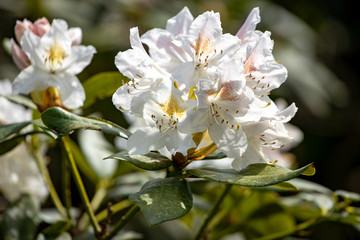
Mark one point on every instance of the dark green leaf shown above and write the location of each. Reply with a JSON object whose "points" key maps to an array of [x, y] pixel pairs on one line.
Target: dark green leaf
{"points": [[150, 161], [102, 85], [20, 100], [8, 129], [21, 219], [64, 122], [163, 199], [53, 231], [10, 144], [255, 175]]}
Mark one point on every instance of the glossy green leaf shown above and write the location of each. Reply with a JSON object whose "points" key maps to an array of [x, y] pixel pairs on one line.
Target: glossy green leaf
{"points": [[255, 175], [64, 122], [150, 161], [20, 100], [8, 129], [163, 199], [21, 219], [101, 85]]}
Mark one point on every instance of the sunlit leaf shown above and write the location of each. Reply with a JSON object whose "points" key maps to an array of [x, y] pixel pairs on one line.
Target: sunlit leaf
{"points": [[255, 175], [101, 85], [150, 161], [163, 199], [8, 129], [20, 100], [286, 186], [21, 219], [64, 122]]}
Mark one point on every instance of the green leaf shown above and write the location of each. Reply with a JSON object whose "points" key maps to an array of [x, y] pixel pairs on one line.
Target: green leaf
{"points": [[20, 100], [150, 161], [287, 186], [10, 144], [163, 199], [56, 229], [21, 219], [101, 85], [64, 122], [8, 129], [255, 175]]}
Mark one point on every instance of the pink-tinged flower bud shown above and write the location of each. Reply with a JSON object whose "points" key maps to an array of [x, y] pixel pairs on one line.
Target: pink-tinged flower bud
{"points": [[20, 58], [21, 27], [75, 34], [41, 26]]}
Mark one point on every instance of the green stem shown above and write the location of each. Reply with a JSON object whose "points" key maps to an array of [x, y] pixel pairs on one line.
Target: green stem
{"points": [[80, 185], [99, 196], [114, 209], [301, 226], [123, 221], [212, 212], [53, 194], [66, 183]]}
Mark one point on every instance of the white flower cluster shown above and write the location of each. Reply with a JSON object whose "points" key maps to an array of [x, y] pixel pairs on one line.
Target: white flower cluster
{"points": [[198, 80]]}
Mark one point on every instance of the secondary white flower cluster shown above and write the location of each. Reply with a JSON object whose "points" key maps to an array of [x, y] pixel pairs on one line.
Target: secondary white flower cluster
{"points": [[50, 56], [19, 173], [197, 79]]}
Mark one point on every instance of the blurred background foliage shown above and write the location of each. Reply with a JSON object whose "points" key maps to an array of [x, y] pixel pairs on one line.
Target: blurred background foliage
{"points": [[316, 40]]}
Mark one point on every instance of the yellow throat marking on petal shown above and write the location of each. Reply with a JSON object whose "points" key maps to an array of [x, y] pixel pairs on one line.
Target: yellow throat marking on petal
{"points": [[172, 107], [56, 55]]}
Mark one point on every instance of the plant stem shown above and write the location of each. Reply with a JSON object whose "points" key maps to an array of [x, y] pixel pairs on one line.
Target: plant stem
{"points": [[114, 209], [212, 212], [301, 226], [66, 183], [45, 173], [123, 221], [80, 185]]}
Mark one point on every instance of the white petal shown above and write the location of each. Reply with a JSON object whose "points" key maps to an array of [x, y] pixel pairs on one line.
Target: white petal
{"points": [[251, 156], [232, 143], [180, 24], [250, 23], [196, 121], [71, 90], [75, 34], [144, 140], [80, 57]]}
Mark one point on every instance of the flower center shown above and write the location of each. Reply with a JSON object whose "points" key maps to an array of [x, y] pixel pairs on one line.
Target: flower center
{"points": [[55, 57], [172, 112]]}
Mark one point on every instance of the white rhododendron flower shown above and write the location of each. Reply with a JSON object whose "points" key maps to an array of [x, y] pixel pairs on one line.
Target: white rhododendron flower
{"points": [[198, 82], [19, 173], [54, 63], [162, 111]]}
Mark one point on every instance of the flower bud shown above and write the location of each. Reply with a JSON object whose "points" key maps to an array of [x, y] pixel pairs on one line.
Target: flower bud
{"points": [[18, 55]]}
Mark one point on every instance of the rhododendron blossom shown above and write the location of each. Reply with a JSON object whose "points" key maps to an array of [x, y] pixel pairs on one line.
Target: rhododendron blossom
{"points": [[54, 62], [217, 85]]}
